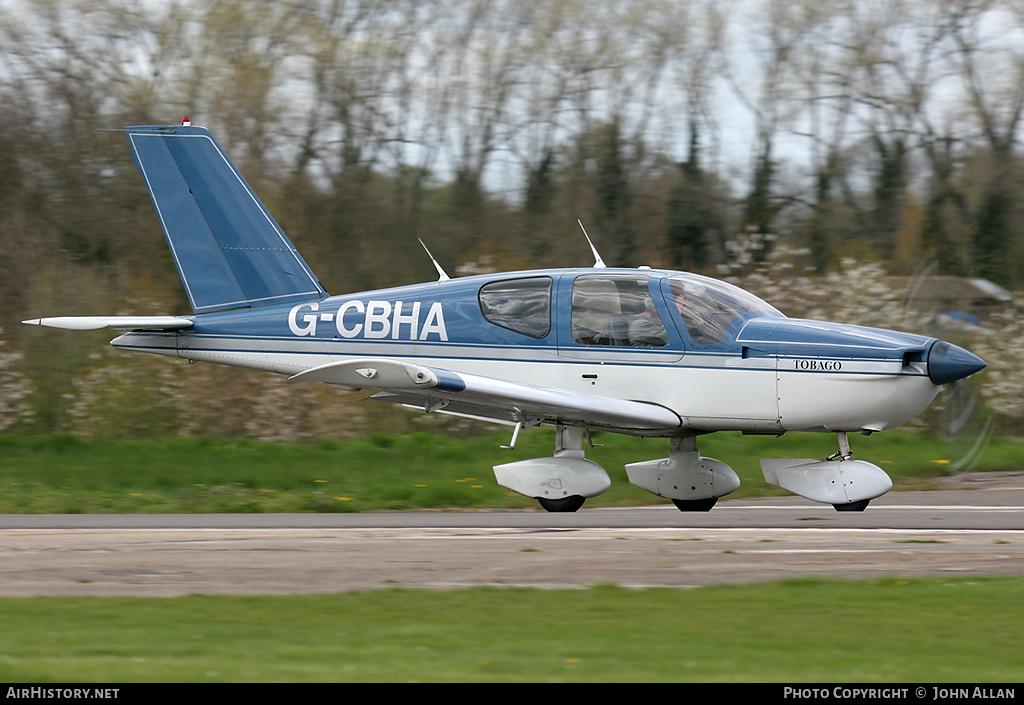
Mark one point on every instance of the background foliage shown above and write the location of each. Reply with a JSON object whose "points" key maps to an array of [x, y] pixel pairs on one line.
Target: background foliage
{"points": [[804, 149]]}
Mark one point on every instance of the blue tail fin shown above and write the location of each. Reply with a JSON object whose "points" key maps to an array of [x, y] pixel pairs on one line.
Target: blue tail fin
{"points": [[229, 250]]}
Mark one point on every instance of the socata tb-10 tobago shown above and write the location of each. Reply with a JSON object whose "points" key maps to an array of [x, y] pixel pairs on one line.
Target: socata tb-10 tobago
{"points": [[636, 351]]}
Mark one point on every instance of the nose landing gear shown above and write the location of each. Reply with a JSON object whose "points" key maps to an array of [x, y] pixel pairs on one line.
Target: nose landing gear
{"points": [[847, 484]]}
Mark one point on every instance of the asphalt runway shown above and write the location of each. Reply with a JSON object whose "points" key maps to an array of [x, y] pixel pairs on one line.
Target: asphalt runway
{"points": [[975, 527]]}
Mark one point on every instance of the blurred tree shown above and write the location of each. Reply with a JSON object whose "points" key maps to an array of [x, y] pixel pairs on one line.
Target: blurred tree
{"points": [[487, 127], [695, 224]]}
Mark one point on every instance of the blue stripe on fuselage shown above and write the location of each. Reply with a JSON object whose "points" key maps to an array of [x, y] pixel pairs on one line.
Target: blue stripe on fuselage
{"points": [[424, 353]]}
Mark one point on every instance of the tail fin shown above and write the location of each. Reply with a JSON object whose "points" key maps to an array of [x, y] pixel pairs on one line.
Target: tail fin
{"points": [[229, 250]]}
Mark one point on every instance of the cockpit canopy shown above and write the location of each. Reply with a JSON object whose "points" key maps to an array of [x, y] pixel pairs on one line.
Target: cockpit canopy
{"points": [[625, 308], [618, 309]]}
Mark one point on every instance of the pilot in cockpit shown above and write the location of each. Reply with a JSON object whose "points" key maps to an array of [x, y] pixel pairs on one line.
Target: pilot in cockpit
{"points": [[678, 295], [647, 328], [696, 315]]}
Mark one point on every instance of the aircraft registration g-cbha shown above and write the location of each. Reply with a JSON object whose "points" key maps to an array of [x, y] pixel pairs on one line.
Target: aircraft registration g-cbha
{"points": [[640, 351]]}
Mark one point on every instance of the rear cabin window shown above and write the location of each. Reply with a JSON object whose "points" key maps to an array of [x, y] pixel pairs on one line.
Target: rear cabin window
{"points": [[521, 305]]}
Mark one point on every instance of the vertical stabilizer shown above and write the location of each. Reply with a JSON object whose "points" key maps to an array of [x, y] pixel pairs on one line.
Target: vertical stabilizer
{"points": [[229, 250]]}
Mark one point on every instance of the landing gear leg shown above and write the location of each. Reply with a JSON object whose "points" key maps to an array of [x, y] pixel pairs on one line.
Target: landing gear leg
{"points": [[568, 444], [844, 453]]}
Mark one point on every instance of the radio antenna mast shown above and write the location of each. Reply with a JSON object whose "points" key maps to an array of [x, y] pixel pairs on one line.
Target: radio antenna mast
{"points": [[598, 262]]}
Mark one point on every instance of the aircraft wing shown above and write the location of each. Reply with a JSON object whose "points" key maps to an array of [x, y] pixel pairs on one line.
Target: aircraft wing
{"points": [[115, 322], [486, 397]]}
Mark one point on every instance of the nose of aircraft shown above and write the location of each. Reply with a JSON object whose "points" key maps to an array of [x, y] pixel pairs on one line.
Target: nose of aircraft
{"points": [[948, 363]]}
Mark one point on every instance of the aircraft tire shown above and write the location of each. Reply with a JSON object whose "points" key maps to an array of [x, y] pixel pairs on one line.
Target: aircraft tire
{"points": [[852, 506], [566, 504], [695, 505]]}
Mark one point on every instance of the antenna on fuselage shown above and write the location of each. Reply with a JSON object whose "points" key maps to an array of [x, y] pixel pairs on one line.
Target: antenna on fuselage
{"points": [[598, 262], [441, 276]]}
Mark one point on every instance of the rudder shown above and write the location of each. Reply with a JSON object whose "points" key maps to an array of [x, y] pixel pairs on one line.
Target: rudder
{"points": [[229, 250]]}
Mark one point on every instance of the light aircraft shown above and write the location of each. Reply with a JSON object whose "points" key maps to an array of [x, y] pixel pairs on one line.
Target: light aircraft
{"points": [[635, 351]]}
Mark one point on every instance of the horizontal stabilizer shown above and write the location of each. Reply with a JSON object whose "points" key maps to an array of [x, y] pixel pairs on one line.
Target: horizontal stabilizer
{"points": [[115, 322]]}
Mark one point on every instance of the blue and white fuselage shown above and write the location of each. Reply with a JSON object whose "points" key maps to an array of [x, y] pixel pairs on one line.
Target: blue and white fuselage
{"points": [[766, 373], [636, 351]]}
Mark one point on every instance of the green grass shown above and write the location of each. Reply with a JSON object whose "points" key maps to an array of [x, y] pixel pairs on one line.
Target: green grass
{"points": [[65, 474], [812, 630]]}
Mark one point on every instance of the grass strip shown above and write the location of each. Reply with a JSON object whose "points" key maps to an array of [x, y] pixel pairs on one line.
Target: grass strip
{"points": [[64, 474], [809, 630]]}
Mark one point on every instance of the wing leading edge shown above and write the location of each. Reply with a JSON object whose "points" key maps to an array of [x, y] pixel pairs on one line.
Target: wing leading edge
{"points": [[437, 389]]}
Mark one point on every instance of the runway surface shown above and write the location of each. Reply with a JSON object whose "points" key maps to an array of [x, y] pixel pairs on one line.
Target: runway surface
{"points": [[974, 528]]}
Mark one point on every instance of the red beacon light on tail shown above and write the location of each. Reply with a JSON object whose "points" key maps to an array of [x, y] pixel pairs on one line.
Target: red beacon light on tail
{"points": [[186, 122]]}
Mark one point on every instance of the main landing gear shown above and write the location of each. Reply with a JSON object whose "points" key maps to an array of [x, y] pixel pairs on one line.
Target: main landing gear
{"points": [[562, 483], [693, 483]]}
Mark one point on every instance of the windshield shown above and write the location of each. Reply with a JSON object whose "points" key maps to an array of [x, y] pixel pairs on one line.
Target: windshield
{"points": [[708, 306]]}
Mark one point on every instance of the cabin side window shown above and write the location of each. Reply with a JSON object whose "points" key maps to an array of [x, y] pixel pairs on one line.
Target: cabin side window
{"points": [[615, 310], [521, 305]]}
